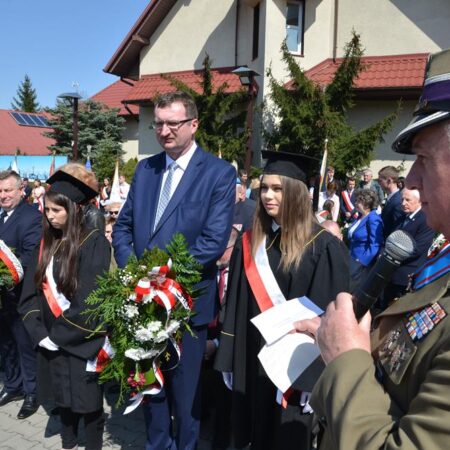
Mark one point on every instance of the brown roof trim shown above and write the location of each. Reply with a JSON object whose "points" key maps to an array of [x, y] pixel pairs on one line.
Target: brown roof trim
{"points": [[124, 61]]}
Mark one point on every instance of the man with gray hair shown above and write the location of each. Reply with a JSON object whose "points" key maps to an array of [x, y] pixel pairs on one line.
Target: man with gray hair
{"points": [[369, 183], [415, 223], [20, 229], [389, 388]]}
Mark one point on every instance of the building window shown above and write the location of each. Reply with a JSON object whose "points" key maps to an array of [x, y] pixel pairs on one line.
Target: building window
{"points": [[294, 26], [255, 31]]}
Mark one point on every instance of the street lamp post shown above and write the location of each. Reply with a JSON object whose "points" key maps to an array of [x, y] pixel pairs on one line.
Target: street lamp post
{"points": [[72, 98], [247, 79]]}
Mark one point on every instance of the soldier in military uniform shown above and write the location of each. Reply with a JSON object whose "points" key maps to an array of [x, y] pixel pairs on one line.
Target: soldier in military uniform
{"points": [[390, 389]]}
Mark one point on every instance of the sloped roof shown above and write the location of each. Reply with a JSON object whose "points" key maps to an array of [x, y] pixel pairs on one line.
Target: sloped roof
{"points": [[113, 95], [29, 140], [150, 86], [125, 61], [382, 72]]}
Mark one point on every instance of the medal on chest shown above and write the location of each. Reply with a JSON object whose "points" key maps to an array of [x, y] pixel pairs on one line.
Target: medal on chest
{"points": [[401, 344]]}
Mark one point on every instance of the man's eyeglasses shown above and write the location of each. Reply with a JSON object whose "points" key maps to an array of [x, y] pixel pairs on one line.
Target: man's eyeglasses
{"points": [[171, 124]]}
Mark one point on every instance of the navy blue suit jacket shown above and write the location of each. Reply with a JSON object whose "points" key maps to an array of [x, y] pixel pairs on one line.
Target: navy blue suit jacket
{"points": [[423, 235], [201, 209], [392, 214], [22, 233]]}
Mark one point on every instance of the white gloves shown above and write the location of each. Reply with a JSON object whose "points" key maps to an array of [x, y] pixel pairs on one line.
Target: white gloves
{"points": [[228, 379], [48, 344]]}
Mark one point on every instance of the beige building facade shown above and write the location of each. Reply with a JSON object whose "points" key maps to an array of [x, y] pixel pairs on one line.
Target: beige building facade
{"points": [[172, 36]]}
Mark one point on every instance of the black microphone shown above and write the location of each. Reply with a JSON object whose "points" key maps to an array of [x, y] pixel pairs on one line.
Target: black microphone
{"points": [[399, 246]]}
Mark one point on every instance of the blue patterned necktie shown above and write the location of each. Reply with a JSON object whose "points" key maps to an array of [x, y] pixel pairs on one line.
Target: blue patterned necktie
{"points": [[3, 216], [165, 193]]}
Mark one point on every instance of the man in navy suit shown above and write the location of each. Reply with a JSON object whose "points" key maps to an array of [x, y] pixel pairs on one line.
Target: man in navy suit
{"points": [[20, 229], [415, 224], [187, 190], [392, 213]]}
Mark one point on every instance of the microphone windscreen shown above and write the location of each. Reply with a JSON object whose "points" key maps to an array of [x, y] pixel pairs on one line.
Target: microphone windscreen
{"points": [[399, 245]]}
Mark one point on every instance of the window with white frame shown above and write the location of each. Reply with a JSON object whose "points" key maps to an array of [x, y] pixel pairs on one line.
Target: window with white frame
{"points": [[294, 26]]}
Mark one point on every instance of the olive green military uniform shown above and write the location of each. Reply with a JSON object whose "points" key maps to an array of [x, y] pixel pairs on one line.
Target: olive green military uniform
{"points": [[398, 398]]}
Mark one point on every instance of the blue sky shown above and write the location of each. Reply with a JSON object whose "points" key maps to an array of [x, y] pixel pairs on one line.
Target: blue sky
{"points": [[61, 42]]}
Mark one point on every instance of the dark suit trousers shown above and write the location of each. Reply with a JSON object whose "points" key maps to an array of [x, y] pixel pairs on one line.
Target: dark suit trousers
{"points": [[17, 353], [180, 398]]}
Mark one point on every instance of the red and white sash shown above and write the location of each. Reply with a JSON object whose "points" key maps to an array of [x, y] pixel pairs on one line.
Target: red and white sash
{"points": [[349, 206], [56, 300], [260, 275]]}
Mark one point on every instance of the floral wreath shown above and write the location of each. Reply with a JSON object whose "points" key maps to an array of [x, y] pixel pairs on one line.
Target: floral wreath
{"points": [[146, 308]]}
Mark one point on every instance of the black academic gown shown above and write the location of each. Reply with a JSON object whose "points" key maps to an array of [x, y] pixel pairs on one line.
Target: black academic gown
{"points": [[62, 375], [257, 418]]}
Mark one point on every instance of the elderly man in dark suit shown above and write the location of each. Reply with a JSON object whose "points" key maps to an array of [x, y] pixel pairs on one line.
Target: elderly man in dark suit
{"points": [[415, 224], [20, 229], [181, 190], [392, 213]]}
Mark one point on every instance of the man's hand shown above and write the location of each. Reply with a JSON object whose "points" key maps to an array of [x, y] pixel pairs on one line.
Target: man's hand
{"points": [[307, 326], [339, 331]]}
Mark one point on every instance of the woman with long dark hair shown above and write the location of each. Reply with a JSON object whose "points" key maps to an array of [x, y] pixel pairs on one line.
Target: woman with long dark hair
{"points": [[288, 245], [63, 274]]}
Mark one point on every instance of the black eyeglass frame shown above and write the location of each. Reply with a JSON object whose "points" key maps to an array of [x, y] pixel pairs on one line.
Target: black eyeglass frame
{"points": [[173, 125]]}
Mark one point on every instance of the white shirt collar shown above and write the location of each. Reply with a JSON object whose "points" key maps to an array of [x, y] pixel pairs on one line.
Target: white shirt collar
{"points": [[414, 213], [391, 194], [183, 160]]}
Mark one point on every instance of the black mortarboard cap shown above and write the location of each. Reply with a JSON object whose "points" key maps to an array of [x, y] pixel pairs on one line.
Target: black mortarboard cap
{"points": [[292, 165], [73, 188]]}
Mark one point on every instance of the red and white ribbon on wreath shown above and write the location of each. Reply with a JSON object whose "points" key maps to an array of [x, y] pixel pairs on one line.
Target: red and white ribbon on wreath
{"points": [[152, 389], [165, 291], [11, 262]]}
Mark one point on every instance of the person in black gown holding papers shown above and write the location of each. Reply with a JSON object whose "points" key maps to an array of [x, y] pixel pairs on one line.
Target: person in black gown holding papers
{"points": [[61, 276], [305, 261]]}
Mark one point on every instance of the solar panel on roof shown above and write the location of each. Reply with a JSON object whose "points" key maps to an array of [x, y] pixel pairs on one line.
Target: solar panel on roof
{"points": [[31, 120], [27, 119], [18, 118], [34, 120]]}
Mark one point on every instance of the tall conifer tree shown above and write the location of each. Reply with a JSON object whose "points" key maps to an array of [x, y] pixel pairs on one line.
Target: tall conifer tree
{"points": [[26, 99], [308, 114], [221, 115]]}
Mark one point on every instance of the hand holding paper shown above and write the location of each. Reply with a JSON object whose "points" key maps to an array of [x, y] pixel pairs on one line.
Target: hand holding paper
{"points": [[286, 355]]}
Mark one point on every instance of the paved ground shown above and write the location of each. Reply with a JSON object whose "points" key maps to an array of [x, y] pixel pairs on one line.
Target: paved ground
{"points": [[41, 431]]}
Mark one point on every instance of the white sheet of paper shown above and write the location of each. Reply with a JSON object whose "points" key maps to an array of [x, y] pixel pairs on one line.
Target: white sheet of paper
{"points": [[276, 322], [287, 358]]}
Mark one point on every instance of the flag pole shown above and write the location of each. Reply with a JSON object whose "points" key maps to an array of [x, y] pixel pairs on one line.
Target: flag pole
{"points": [[323, 167]]}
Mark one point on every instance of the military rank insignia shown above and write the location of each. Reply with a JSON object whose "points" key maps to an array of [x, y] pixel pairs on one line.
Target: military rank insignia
{"points": [[420, 323]]}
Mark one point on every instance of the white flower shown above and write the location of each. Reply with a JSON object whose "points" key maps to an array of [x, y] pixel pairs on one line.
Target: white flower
{"points": [[161, 336], [154, 326], [132, 297], [137, 354], [143, 335], [130, 311], [172, 327]]}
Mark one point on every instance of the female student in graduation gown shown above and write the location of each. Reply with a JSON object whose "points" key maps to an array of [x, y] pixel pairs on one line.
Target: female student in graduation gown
{"points": [[56, 286], [306, 261]]}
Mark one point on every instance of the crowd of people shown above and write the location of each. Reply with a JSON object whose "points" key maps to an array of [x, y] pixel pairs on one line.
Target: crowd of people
{"points": [[260, 244]]}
